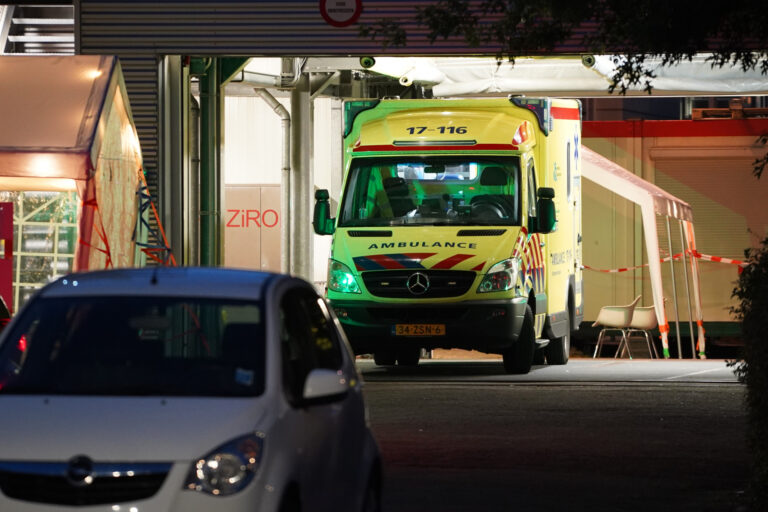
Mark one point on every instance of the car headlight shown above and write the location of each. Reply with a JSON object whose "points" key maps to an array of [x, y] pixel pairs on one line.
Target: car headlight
{"points": [[228, 468], [500, 277], [341, 279]]}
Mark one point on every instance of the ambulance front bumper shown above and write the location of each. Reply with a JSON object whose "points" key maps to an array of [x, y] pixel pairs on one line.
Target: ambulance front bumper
{"points": [[486, 325]]}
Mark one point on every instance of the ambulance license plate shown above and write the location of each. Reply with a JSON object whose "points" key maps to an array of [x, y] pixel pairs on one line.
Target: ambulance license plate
{"points": [[419, 329]]}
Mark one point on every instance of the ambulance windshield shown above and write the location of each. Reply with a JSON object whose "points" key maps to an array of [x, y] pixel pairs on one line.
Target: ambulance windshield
{"points": [[432, 190]]}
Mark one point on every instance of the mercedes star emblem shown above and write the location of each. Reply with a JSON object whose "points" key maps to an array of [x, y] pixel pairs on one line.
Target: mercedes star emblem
{"points": [[80, 471], [418, 283]]}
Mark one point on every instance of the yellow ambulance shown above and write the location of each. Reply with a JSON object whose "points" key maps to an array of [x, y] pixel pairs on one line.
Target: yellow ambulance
{"points": [[459, 226]]}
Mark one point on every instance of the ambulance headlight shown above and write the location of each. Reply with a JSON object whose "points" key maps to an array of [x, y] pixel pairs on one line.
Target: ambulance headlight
{"points": [[500, 277], [341, 279]]}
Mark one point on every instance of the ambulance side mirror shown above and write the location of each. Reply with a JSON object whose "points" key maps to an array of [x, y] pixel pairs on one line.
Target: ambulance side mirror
{"points": [[545, 210], [321, 217]]}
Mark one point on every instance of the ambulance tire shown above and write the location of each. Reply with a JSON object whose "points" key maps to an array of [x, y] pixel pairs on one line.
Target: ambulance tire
{"points": [[384, 358], [518, 358], [559, 349], [409, 356]]}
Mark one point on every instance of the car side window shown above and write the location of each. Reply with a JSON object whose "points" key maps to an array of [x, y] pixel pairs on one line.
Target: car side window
{"points": [[308, 340]]}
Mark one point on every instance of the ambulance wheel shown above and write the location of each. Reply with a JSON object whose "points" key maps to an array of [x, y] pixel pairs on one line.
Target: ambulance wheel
{"points": [[519, 357], [384, 358], [559, 349], [409, 356]]}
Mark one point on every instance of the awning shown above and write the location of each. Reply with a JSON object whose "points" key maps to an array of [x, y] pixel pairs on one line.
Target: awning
{"points": [[652, 201]]}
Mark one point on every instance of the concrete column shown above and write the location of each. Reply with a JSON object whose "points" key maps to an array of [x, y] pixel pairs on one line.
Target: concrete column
{"points": [[301, 181]]}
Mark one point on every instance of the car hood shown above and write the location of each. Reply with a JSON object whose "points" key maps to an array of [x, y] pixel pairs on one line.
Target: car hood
{"points": [[56, 428]]}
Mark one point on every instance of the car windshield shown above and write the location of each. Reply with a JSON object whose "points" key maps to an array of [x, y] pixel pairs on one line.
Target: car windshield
{"points": [[135, 346], [434, 190]]}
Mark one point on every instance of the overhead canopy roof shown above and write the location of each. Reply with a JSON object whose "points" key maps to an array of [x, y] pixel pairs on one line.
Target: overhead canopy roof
{"points": [[566, 76], [52, 107]]}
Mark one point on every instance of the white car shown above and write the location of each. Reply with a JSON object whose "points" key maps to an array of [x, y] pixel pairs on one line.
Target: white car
{"points": [[183, 390]]}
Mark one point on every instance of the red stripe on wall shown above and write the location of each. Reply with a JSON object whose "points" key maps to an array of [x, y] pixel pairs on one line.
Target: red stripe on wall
{"points": [[474, 147], [566, 113], [643, 128], [452, 261]]}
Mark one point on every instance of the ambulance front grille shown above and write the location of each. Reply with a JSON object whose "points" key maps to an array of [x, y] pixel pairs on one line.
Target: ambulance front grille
{"points": [[481, 232], [393, 284]]}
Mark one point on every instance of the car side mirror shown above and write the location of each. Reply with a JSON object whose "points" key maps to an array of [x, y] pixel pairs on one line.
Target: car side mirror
{"points": [[545, 210], [321, 217], [323, 385]]}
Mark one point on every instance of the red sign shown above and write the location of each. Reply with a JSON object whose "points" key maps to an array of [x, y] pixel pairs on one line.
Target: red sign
{"points": [[6, 253], [341, 13], [248, 218]]}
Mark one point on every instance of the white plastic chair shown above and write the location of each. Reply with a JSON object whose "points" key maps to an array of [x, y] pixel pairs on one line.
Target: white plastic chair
{"points": [[643, 321], [615, 318]]}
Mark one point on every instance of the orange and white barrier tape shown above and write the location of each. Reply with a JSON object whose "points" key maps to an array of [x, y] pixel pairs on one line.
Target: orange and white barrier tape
{"points": [[717, 259], [627, 269], [695, 254]]}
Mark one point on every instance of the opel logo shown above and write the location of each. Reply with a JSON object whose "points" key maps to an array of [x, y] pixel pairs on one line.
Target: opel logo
{"points": [[80, 471], [418, 283]]}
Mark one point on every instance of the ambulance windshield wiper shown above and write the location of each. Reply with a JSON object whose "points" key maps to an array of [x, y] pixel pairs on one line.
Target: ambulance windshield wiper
{"points": [[455, 222]]}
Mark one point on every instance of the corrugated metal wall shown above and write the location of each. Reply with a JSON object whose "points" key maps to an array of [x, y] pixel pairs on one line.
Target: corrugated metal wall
{"points": [[714, 176], [725, 200], [247, 27], [140, 74]]}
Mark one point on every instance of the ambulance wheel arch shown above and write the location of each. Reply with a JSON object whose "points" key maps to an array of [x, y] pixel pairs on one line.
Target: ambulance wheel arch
{"points": [[558, 328], [559, 348], [519, 357]]}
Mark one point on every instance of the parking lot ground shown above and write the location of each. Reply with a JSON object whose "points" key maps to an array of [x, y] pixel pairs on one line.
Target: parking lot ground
{"points": [[592, 435], [582, 370]]}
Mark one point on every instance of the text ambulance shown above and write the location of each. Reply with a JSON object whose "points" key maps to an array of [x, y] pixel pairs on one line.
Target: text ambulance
{"points": [[459, 226]]}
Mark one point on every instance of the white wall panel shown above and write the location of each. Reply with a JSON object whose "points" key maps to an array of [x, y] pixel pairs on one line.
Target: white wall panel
{"points": [[253, 153]]}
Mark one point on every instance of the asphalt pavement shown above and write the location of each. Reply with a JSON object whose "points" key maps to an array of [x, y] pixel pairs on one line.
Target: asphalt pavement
{"points": [[578, 370], [593, 435]]}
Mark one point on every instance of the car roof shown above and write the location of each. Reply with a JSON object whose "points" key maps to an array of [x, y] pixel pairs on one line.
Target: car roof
{"points": [[201, 282]]}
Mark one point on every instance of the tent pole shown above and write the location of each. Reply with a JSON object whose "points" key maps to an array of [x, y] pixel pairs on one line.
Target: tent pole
{"points": [[690, 238], [650, 231], [687, 290], [674, 291]]}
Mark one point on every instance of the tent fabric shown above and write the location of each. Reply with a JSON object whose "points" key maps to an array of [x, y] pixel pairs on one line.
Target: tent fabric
{"points": [[69, 117], [613, 176], [564, 76], [652, 201]]}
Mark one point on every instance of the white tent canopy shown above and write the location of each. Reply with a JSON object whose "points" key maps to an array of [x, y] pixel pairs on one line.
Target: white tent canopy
{"points": [[652, 201], [565, 76]]}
